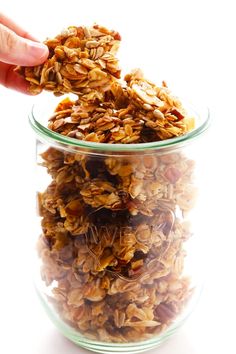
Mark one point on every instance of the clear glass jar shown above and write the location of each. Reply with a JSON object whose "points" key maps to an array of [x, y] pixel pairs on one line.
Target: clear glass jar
{"points": [[119, 236]]}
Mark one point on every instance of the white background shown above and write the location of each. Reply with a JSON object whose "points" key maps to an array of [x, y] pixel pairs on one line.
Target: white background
{"points": [[190, 44]]}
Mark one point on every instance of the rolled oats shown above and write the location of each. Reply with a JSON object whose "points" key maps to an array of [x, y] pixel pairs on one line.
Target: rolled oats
{"points": [[119, 273], [79, 58], [123, 115]]}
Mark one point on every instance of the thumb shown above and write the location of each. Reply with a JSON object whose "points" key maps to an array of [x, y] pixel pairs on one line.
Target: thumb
{"points": [[20, 51]]}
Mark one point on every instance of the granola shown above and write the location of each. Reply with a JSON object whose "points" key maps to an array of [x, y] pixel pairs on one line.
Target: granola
{"points": [[81, 60], [134, 111], [112, 247], [114, 228]]}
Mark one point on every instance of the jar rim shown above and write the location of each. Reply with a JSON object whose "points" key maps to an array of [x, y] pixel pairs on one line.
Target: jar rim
{"points": [[51, 136]]}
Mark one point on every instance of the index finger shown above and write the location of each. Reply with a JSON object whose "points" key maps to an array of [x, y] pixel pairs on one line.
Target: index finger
{"points": [[6, 21]]}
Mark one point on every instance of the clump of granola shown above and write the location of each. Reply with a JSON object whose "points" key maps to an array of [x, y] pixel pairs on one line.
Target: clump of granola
{"points": [[81, 59], [136, 111], [113, 227]]}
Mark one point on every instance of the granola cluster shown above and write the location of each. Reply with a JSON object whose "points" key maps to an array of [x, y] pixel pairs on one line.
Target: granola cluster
{"points": [[114, 227], [81, 60], [136, 111]]}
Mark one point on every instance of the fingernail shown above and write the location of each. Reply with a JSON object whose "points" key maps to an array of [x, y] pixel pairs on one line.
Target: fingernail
{"points": [[38, 51]]}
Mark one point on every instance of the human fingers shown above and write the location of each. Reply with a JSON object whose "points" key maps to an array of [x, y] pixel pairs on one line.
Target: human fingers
{"points": [[20, 51], [6, 21], [10, 79]]}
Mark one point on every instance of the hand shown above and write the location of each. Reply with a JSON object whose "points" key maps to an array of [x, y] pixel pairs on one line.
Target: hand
{"points": [[17, 47]]}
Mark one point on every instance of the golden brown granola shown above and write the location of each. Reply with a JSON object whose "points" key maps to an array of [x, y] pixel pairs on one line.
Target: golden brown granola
{"points": [[114, 228], [136, 111], [112, 247], [81, 60]]}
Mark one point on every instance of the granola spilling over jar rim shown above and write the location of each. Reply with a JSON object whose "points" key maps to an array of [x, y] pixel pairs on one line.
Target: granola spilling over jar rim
{"points": [[133, 111], [114, 228]]}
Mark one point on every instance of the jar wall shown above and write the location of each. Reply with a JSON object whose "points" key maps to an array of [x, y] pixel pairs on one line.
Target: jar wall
{"points": [[117, 242]]}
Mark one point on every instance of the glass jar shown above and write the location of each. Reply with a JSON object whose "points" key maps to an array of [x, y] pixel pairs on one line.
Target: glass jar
{"points": [[119, 236]]}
